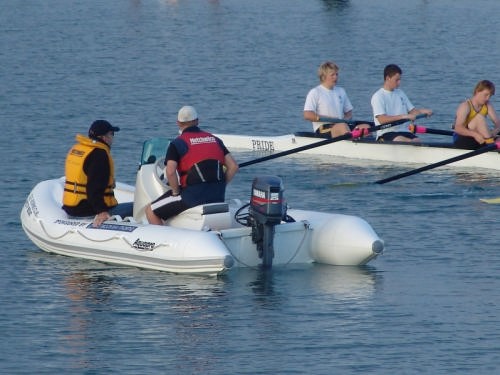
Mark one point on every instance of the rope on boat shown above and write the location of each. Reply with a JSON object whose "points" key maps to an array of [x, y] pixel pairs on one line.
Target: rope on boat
{"points": [[105, 240], [116, 236], [307, 226], [74, 231], [232, 254], [49, 235]]}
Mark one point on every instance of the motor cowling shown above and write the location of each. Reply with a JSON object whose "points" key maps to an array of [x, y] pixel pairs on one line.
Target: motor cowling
{"points": [[267, 209], [267, 204]]}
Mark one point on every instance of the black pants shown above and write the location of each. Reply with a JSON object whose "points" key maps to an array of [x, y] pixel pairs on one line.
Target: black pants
{"points": [[467, 143]]}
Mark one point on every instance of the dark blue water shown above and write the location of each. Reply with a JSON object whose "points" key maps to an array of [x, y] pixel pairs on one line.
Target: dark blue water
{"points": [[429, 304]]}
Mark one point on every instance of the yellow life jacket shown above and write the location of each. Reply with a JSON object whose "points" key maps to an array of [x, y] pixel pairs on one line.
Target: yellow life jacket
{"points": [[472, 112], [75, 186]]}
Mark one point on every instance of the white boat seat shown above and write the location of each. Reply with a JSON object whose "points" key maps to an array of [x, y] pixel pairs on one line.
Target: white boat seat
{"points": [[210, 216]]}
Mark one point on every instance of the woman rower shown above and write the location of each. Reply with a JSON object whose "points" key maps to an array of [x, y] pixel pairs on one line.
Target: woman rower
{"points": [[471, 126]]}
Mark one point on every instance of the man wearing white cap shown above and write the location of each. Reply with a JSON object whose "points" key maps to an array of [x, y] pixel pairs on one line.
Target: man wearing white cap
{"points": [[194, 167]]}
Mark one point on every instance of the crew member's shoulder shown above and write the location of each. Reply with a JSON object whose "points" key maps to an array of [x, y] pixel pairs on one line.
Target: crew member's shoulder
{"points": [[98, 153]]}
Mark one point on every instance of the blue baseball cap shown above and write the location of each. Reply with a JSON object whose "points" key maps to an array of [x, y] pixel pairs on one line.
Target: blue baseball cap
{"points": [[101, 127]]}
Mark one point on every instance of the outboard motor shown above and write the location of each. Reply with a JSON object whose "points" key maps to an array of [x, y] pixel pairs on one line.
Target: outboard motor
{"points": [[267, 209]]}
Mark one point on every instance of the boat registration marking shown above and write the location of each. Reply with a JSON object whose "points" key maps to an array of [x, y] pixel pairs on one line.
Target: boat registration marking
{"points": [[30, 206], [71, 223], [110, 226], [260, 145], [144, 245]]}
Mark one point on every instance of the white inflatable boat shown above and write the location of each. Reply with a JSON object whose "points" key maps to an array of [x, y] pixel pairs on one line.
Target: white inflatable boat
{"points": [[207, 239]]}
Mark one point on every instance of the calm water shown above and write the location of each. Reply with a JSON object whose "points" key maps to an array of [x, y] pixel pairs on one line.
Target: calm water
{"points": [[430, 304]]}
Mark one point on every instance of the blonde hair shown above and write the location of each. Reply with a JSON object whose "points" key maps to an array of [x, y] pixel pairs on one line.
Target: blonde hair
{"points": [[325, 68], [484, 85]]}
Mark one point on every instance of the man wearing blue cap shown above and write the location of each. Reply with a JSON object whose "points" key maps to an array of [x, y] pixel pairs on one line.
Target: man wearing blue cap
{"points": [[88, 189]]}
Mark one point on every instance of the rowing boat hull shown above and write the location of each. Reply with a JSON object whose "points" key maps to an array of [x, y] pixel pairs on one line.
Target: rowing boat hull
{"points": [[386, 153]]}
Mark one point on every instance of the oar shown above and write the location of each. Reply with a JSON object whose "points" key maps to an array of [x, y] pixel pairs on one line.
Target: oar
{"points": [[353, 134], [422, 129], [490, 200], [482, 150]]}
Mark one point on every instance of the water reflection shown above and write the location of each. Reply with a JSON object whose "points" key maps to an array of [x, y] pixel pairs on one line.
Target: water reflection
{"points": [[87, 293], [85, 287], [264, 282], [336, 4], [340, 283], [346, 283], [482, 179], [124, 303], [173, 312]]}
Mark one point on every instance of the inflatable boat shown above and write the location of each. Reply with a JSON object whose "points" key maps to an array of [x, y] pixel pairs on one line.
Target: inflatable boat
{"points": [[207, 239]]}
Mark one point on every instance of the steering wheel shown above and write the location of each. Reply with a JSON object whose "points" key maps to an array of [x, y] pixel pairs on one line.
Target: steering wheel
{"points": [[159, 171]]}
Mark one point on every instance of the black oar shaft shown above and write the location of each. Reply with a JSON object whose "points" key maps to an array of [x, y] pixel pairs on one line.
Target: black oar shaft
{"points": [[422, 129], [482, 150], [439, 131]]}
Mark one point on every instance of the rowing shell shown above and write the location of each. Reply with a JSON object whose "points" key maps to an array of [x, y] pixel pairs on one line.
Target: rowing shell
{"points": [[363, 149]]}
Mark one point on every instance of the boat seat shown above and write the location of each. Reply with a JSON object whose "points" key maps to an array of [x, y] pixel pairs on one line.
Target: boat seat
{"points": [[210, 216]]}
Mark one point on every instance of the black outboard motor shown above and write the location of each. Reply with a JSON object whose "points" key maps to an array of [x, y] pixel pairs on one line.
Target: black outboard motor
{"points": [[267, 209]]}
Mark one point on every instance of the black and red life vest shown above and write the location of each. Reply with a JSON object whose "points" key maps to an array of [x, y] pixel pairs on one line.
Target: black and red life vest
{"points": [[204, 160]]}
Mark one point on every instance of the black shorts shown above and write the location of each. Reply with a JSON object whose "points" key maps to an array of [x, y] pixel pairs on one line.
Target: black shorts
{"points": [[168, 206], [324, 129], [388, 137], [467, 143]]}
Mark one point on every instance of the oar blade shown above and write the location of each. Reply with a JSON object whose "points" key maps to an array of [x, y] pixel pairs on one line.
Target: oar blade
{"points": [[490, 200]]}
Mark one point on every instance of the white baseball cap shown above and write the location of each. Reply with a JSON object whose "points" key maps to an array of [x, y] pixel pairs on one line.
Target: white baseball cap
{"points": [[186, 114]]}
